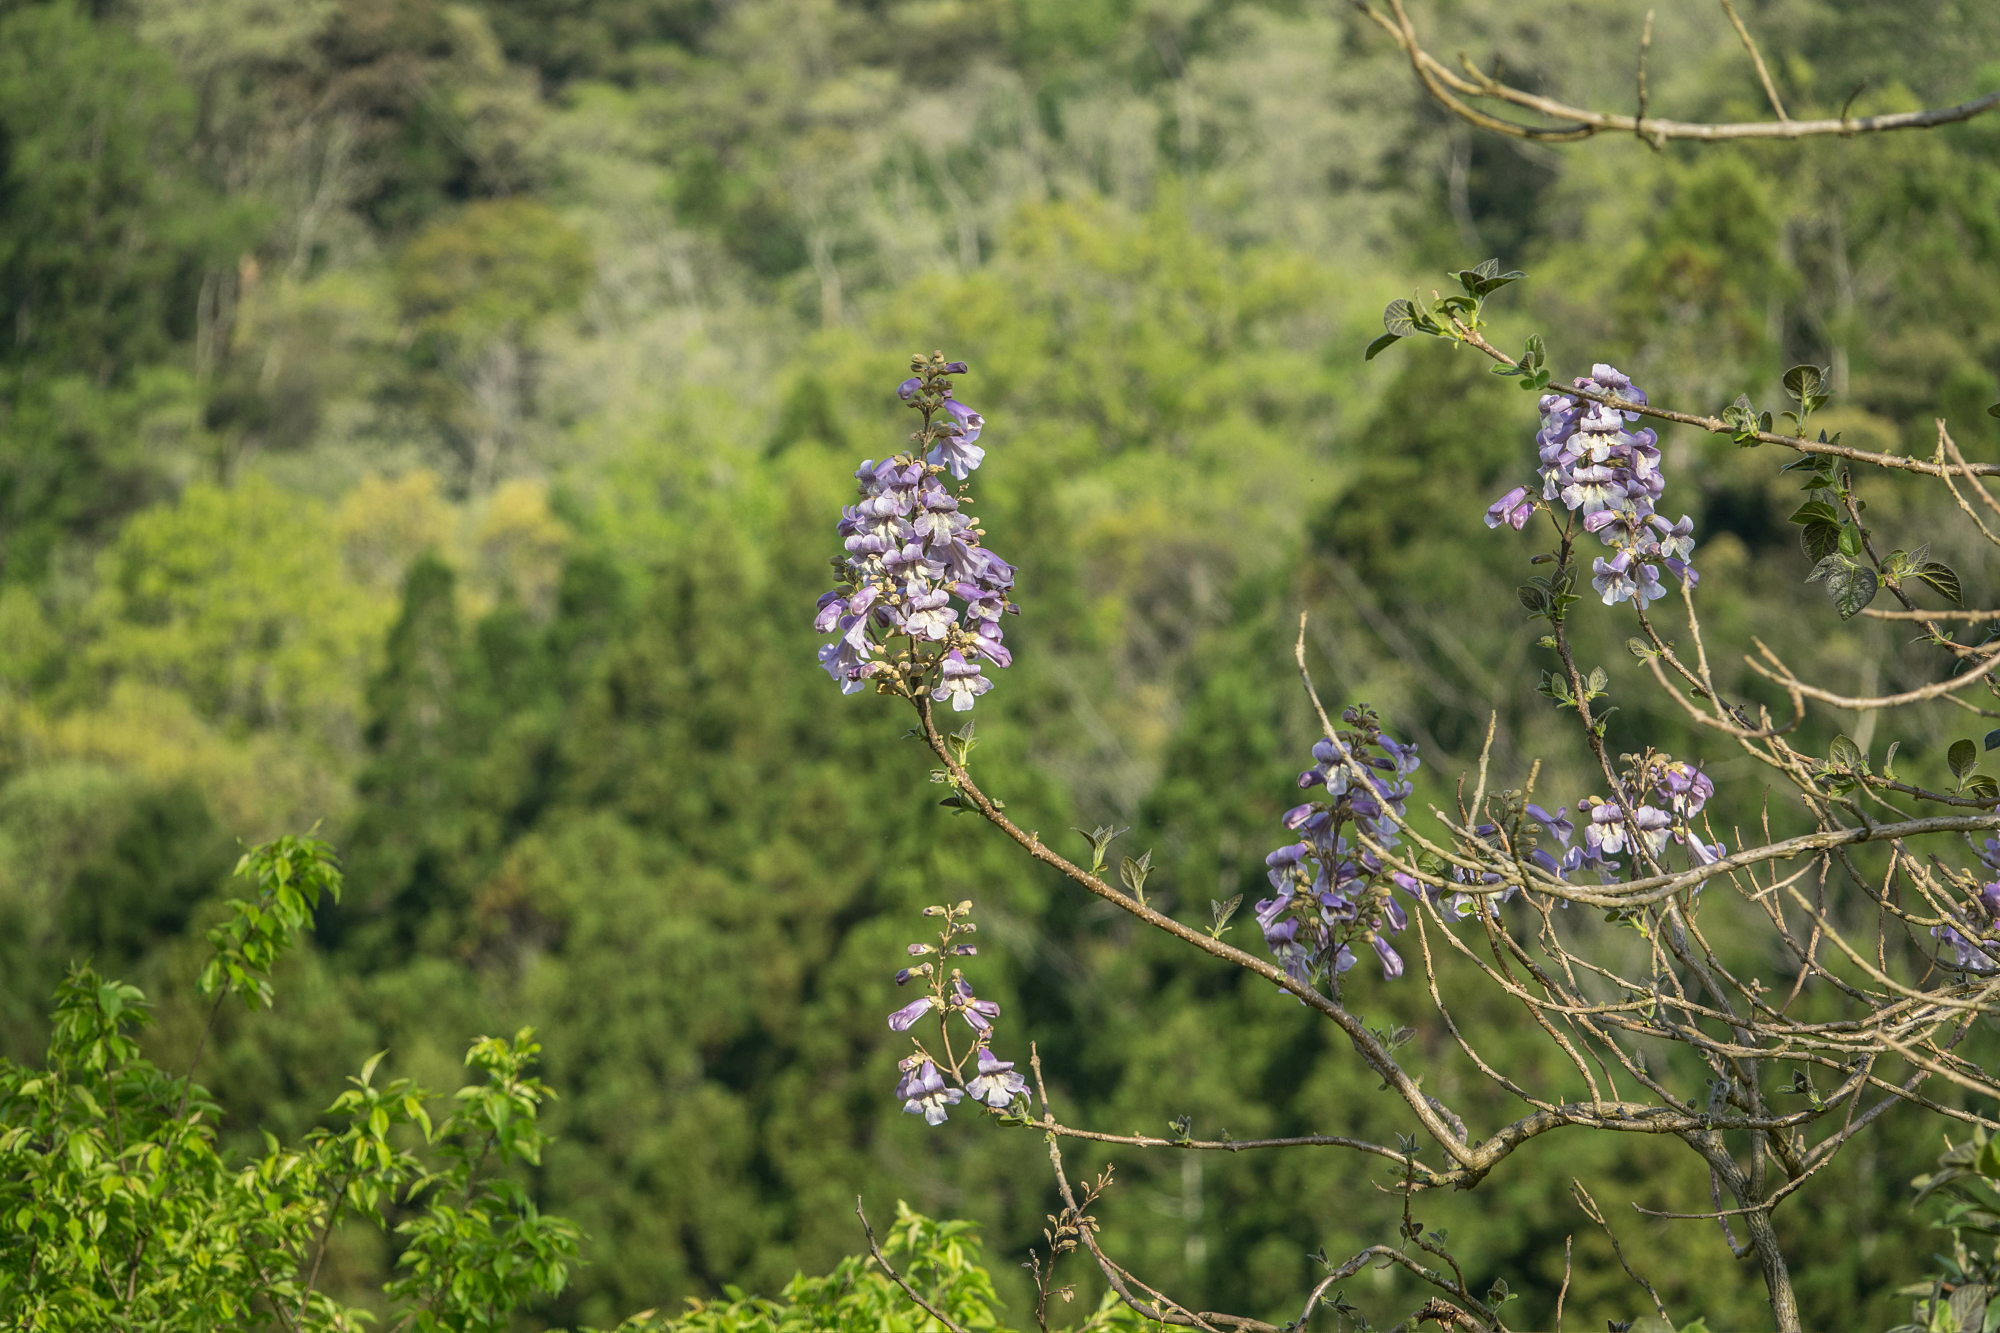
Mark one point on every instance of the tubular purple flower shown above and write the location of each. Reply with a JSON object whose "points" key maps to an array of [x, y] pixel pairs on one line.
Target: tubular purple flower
{"points": [[957, 455], [1557, 825], [969, 422], [924, 1093], [986, 643], [840, 661], [1623, 578], [905, 1018], [1981, 957], [962, 682], [996, 1083], [929, 615], [977, 1012], [1514, 509], [1704, 853], [1392, 962]]}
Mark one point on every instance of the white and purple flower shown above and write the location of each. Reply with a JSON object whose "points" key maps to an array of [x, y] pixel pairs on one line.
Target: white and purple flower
{"points": [[911, 549], [1596, 466], [1332, 891]]}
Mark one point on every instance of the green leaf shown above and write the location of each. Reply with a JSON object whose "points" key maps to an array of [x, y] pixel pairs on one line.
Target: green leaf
{"points": [[1804, 382], [1134, 874], [1993, 411], [1988, 1162], [1942, 577], [1820, 540], [1846, 753], [1854, 591], [1850, 540], [1889, 759], [1380, 345], [1993, 739], [1399, 318], [1851, 586], [1962, 756], [1815, 511]]}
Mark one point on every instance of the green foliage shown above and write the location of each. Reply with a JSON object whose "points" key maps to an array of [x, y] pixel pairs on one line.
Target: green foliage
{"points": [[307, 287], [240, 599], [490, 271], [105, 233], [78, 456], [941, 1260], [290, 876], [157, 853], [1964, 1294], [118, 1204], [1453, 317], [480, 1246]]}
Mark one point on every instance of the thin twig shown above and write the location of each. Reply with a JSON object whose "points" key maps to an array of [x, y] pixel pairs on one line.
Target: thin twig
{"points": [[1717, 426], [1563, 1290], [1595, 1214], [1450, 89], [897, 1278], [1757, 59]]}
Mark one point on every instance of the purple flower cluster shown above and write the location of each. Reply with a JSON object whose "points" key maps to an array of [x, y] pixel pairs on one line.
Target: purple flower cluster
{"points": [[1657, 802], [923, 1089], [1978, 951], [916, 566], [1610, 476], [1522, 842], [1331, 889]]}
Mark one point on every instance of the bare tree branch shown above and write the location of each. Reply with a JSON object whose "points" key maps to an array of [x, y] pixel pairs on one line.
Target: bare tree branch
{"points": [[1451, 89]]}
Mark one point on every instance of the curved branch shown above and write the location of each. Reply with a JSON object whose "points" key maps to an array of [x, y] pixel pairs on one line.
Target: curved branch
{"points": [[1048, 1124], [1450, 89], [1717, 426], [1365, 1043], [1160, 1308], [1979, 668]]}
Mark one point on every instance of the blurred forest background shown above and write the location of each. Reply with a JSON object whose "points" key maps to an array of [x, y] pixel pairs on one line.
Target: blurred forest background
{"points": [[428, 420]]}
